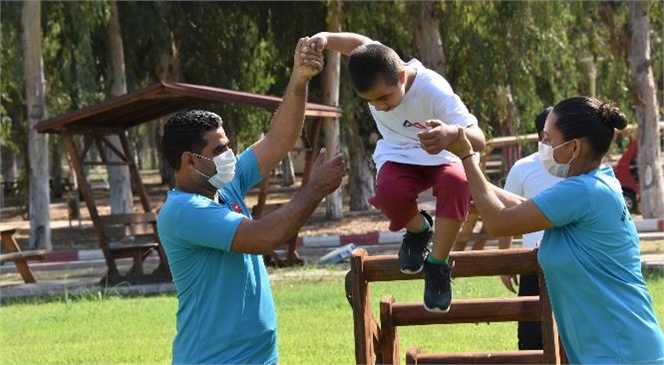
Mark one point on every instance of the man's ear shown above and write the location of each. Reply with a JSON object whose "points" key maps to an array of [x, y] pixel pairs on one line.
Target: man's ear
{"points": [[186, 159]]}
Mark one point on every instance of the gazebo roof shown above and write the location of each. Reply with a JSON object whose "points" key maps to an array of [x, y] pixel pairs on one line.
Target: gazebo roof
{"points": [[129, 110]]}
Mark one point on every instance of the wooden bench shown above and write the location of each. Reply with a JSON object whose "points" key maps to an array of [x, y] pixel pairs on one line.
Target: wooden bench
{"points": [[379, 344], [134, 236], [19, 257]]}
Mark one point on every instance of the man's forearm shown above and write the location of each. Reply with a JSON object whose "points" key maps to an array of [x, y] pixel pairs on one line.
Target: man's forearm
{"points": [[286, 124], [286, 221]]}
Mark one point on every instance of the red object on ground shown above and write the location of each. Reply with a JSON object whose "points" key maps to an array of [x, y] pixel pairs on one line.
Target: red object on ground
{"points": [[627, 173]]}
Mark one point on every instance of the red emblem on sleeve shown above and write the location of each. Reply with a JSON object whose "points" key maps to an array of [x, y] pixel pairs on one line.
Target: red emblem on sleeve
{"points": [[236, 207]]}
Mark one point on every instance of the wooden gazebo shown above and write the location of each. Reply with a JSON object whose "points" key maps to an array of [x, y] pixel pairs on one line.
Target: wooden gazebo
{"points": [[114, 117]]}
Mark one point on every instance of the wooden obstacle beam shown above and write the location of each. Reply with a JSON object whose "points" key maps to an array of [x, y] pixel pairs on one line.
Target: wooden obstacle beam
{"points": [[414, 356], [376, 343]]}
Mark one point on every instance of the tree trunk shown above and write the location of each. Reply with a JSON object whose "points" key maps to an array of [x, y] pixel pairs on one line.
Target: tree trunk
{"points": [[287, 170], [168, 69], [118, 176], [651, 180], [35, 89], [427, 34], [361, 178], [56, 167], [8, 162], [8, 167], [334, 201]]}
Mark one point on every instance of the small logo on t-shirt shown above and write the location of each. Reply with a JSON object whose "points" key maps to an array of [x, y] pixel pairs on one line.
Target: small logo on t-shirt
{"points": [[236, 207], [625, 214], [417, 125]]}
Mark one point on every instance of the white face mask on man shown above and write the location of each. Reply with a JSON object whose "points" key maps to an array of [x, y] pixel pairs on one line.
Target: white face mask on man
{"points": [[225, 166], [554, 168]]}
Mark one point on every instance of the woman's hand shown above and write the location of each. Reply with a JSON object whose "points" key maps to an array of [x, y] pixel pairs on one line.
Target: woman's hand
{"points": [[461, 147]]}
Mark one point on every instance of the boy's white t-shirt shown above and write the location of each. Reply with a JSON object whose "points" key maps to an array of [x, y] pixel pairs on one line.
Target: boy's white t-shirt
{"points": [[429, 97]]}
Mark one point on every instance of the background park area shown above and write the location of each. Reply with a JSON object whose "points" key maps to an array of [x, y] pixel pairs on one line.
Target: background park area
{"points": [[88, 85]]}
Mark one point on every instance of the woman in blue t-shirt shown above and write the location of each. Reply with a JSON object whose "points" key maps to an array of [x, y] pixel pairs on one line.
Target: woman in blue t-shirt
{"points": [[590, 251]]}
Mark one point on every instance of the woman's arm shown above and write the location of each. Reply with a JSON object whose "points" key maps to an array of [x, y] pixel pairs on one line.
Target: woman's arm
{"points": [[503, 213]]}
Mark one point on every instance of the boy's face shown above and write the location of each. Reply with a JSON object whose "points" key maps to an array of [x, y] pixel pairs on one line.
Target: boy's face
{"points": [[386, 97]]}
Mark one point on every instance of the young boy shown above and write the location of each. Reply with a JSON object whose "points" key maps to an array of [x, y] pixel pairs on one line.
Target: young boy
{"points": [[418, 116]]}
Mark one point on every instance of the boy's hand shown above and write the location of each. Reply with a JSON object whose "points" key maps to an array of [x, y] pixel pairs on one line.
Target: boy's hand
{"points": [[318, 39], [308, 59], [327, 173], [438, 137]]}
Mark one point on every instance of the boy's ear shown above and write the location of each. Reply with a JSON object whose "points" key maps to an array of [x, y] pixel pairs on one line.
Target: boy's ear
{"points": [[402, 76]]}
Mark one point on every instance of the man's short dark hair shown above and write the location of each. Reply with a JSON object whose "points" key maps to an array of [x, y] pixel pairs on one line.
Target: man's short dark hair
{"points": [[371, 62], [185, 131], [540, 119]]}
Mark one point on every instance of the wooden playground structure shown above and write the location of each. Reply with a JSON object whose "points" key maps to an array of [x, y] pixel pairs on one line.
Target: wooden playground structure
{"points": [[377, 342]]}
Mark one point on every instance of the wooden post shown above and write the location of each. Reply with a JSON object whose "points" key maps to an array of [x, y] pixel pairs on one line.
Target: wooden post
{"points": [[552, 346], [411, 355], [362, 316], [133, 172], [388, 333], [76, 162], [311, 143]]}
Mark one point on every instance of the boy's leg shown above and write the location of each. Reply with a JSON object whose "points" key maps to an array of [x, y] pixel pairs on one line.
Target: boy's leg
{"points": [[452, 205], [397, 188]]}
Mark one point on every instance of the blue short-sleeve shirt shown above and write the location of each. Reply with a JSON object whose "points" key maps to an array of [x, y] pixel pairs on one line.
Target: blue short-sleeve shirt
{"points": [[592, 267], [225, 311]]}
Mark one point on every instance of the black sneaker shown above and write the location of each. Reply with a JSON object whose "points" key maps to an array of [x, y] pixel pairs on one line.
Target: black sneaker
{"points": [[415, 248], [437, 287]]}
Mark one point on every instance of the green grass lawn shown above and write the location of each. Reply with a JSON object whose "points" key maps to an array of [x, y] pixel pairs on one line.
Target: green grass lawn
{"points": [[314, 321]]}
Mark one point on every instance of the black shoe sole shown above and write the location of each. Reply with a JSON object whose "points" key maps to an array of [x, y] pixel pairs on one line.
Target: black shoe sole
{"points": [[411, 272], [436, 309]]}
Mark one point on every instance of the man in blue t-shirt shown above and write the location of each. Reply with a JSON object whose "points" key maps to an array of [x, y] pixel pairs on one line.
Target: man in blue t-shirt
{"points": [[225, 311]]}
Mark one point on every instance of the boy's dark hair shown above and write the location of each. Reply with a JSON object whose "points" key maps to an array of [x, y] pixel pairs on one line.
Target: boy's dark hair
{"points": [[589, 118], [184, 132], [540, 119], [369, 63]]}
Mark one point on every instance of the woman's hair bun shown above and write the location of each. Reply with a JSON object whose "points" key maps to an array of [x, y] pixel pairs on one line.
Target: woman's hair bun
{"points": [[612, 116]]}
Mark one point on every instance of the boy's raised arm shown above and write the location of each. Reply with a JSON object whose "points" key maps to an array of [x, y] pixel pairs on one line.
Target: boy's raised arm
{"points": [[341, 42]]}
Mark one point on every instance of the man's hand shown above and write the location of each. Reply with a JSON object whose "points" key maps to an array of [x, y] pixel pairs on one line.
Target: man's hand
{"points": [[510, 281], [438, 137], [308, 58], [327, 173]]}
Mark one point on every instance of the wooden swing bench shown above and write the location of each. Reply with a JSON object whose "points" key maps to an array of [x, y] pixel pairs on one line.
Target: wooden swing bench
{"points": [[133, 236]]}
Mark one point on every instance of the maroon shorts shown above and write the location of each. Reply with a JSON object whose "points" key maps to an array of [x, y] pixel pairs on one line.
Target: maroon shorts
{"points": [[398, 185]]}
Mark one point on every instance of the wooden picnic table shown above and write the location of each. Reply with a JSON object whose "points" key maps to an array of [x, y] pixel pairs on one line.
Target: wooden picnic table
{"points": [[20, 258]]}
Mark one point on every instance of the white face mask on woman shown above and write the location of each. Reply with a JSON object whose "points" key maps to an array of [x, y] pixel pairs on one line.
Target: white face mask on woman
{"points": [[225, 165], [554, 168]]}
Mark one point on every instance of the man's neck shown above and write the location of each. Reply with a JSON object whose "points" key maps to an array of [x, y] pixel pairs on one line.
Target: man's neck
{"points": [[187, 188]]}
